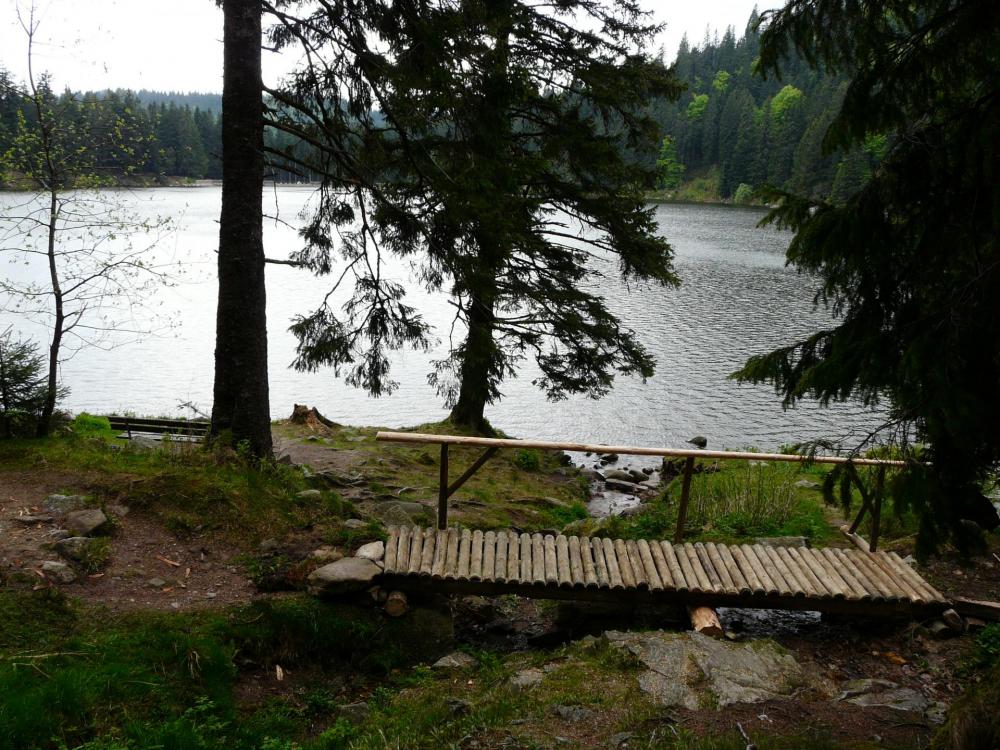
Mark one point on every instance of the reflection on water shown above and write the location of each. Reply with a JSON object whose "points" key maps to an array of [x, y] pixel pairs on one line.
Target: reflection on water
{"points": [[737, 299]]}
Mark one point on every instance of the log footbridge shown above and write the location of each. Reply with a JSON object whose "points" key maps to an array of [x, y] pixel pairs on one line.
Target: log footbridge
{"points": [[860, 581]]}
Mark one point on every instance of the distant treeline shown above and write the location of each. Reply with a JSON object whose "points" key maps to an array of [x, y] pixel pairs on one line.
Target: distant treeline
{"points": [[731, 128], [734, 128]]}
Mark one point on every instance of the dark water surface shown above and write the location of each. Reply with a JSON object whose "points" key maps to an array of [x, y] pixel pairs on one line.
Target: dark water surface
{"points": [[737, 299]]}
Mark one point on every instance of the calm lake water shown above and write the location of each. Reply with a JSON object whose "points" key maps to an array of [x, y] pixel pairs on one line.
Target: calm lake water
{"points": [[737, 299]]}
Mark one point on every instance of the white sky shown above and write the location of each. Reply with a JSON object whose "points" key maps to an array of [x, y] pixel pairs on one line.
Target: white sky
{"points": [[177, 44]]}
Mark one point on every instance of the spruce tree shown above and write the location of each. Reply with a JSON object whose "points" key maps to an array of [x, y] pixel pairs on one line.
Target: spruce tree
{"points": [[909, 263]]}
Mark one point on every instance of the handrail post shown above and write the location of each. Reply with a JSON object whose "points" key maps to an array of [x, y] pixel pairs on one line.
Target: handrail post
{"points": [[443, 489], [685, 496], [877, 508]]}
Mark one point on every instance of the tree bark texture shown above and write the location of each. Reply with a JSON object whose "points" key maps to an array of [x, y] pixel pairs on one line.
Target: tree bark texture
{"points": [[241, 400]]}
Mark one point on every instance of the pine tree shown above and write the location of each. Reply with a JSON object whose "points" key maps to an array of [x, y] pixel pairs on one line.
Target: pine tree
{"points": [[910, 262]]}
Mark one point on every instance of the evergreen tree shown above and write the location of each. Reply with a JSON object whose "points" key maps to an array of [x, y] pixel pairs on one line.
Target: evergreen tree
{"points": [[909, 262]]}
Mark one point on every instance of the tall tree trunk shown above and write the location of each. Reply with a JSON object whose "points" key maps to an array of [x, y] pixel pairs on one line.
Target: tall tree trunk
{"points": [[479, 355], [241, 401], [51, 392]]}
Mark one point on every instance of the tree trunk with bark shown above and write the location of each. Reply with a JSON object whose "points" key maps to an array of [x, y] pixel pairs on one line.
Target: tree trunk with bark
{"points": [[479, 354], [241, 405]]}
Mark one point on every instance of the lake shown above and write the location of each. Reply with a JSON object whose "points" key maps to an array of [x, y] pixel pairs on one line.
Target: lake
{"points": [[737, 299]]}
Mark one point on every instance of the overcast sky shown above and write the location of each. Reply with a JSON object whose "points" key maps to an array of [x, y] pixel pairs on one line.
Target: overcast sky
{"points": [[177, 45]]}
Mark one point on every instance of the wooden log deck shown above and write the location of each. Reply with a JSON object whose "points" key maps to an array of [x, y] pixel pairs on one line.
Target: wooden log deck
{"points": [[844, 581]]}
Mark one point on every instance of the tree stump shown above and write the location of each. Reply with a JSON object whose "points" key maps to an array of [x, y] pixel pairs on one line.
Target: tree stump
{"points": [[310, 417]]}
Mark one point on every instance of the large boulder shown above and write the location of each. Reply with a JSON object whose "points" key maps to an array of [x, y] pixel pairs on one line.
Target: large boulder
{"points": [[343, 576], [692, 670], [63, 503], [620, 474], [623, 486], [85, 522], [373, 551]]}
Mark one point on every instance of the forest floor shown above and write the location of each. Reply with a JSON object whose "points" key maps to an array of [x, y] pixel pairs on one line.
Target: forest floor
{"points": [[189, 629]]}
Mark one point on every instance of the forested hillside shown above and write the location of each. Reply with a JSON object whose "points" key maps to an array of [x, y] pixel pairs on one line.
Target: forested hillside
{"points": [[734, 128]]}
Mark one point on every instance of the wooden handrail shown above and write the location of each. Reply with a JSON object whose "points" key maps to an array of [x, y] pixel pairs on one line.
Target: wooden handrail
{"points": [[425, 438]]}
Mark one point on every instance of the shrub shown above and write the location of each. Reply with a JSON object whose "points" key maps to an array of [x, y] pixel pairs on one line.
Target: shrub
{"points": [[527, 458], [22, 385], [743, 194]]}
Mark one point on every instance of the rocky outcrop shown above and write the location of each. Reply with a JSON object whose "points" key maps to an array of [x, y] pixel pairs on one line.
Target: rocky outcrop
{"points": [[85, 522], [344, 576]]}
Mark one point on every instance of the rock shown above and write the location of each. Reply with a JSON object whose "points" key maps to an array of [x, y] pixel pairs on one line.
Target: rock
{"points": [[783, 541], [617, 740], [399, 512], [268, 545], [58, 534], [73, 547], [343, 576], [28, 520], [355, 712], [647, 471], [527, 678], [326, 554], [284, 459], [618, 474], [940, 630], [636, 476], [953, 620], [64, 503], [371, 551], [572, 713], [120, 511], [620, 486], [609, 458], [699, 441], [157, 583], [592, 475], [692, 670], [807, 484], [884, 693], [309, 495], [58, 571], [936, 712], [354, 524], [458, 706], [85, 522], [631, 511], [454, 660]]}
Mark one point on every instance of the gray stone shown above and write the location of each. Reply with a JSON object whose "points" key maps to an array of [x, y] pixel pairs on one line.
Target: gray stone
{"points": [[572, 713], [454, 660], [326, 554], [63, 503], [458, 706], [807, 484], [157, 583], [527, 678], [884, 693], [355, 712], [637, 476], [58, 534], [28, 520], [309, 495], [936, 712], [58, 571], [343, 576], [399, 512], [783, 541], [371, 551], [693, 670], [617, 740], [85, 522], [354, 523], [618, 474], [285, 459], [622, 486], [119, 510], [609, 458], [592, 475], [73, 547]]}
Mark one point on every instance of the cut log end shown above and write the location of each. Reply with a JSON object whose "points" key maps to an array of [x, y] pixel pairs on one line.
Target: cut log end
{"points": [[310, 417], [705, 620], [396, 604]]}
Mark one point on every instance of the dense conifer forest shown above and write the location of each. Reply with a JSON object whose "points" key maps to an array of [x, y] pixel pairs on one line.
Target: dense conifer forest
{"points": [[730, 132]]}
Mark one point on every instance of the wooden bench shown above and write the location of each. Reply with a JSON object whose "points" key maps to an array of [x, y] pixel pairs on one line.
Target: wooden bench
{"points": [[181, 430]]}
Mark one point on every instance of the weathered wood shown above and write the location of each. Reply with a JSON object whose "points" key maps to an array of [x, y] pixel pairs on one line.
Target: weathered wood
{"points": [[677, 571], [442, 518], [403, 550], [739, 580], [749, 574], [489, 555], [551, 566], [500, 563], [873, 591], [763, 571], [526, 561], [706, 563], [873, 575], [440, 553], [476, 557], [576, 563], [590, 579], [682, 509], [792, 568], [721, 568], [416, 550], [692, 557], [624, 564], [391, 545], [661, 565], [782, 587], [427, 555], [817, 583], [396, 604], [537, 559], [513, 556], [832, 579], [451, 560], [705, 620], [649, 564], [916, 578], [634, 560], [976, 608], [423, 438], [464, 553], [791, 580], [563, 561], [600, 564], [855, 589], [611, 559], [898, 576]]}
